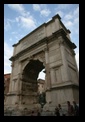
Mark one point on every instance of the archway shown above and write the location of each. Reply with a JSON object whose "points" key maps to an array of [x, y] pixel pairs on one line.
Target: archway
{"points": [[29, 81], [55, 52]]}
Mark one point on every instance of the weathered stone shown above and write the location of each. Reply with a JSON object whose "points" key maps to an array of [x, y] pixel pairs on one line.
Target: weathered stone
{"points": [[49, 47]]}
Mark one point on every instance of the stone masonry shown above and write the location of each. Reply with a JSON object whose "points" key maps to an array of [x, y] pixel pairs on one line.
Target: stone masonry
{"points": [[48, 47]]}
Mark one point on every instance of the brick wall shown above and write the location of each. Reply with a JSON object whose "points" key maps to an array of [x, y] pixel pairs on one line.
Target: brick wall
{"points": [[6, 83]]}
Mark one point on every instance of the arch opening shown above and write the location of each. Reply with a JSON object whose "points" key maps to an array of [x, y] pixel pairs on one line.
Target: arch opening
{"points": [[30, 77], [32, 70]]}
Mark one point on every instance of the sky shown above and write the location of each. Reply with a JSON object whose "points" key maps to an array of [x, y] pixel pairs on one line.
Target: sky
{"points": [[21, 19]]}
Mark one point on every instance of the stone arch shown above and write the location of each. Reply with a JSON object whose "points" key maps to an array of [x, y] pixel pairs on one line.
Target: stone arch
{"points": [[40, 57], [33, 65], [29, 80], [24, 64], [44, 47]]}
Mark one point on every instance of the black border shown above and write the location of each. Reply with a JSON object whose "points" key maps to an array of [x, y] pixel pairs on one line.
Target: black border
{"points": [[2, 59], [2, 51]]}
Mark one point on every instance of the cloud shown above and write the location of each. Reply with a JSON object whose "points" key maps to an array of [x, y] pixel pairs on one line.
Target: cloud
{"points": [[71, 21], [42, 8], [45, 12], [63, 6], [76, 25], [19, 8], [16, 7], [10, 39], [76, 20], [14, 32], [39, 7], [36, 7], [7, 25], [76, 11], [17, 35], [8, 51], [68, 16], [26, 22], [68, 24]]}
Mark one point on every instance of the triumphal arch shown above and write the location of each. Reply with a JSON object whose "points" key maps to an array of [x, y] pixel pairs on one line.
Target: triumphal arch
{"points": [[48, 47]]}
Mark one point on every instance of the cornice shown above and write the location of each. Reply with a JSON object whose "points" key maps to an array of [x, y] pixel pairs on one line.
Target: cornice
{"points": [[46, 40]]}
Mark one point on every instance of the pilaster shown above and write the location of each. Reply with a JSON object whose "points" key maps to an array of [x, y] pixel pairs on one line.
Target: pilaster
{"points": [[64, 69]]}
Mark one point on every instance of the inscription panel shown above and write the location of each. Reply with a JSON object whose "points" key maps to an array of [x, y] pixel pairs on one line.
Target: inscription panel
{"points": [[33, 38]]}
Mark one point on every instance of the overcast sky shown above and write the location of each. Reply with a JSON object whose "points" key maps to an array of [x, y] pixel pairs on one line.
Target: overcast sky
{"points": [[21, 19]]}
